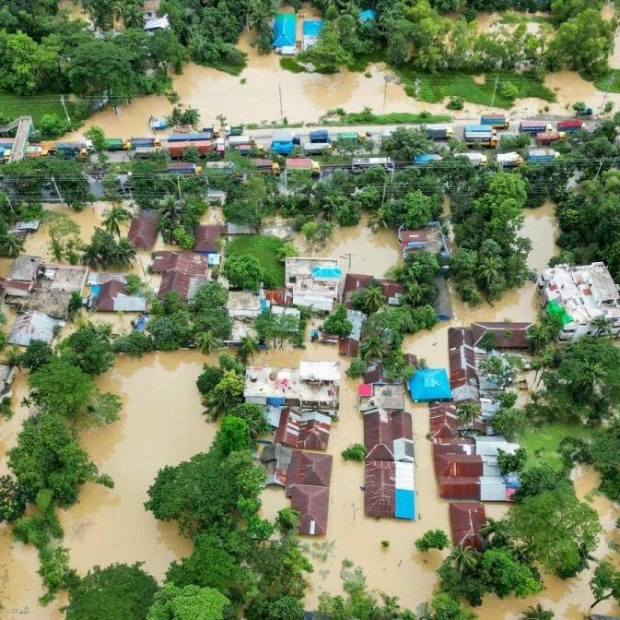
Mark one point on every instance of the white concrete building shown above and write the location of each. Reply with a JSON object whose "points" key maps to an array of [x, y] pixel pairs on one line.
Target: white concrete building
{"points": [[579, 296], [314, 282]]}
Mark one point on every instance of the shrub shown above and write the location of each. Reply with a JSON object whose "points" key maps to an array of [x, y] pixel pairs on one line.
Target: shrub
{"points": [[355, 452], [455, 103], [356, 368]]}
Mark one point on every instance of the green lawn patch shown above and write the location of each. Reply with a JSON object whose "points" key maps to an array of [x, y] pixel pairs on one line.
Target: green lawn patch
{"points": [[608, 81], [265, 249], [361, 62], [542, 443], [12, 106], [435, 88], [290, 64], [395, 118], [517, 18]]}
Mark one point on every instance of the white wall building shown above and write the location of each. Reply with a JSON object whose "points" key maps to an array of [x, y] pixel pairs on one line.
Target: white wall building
{"points": [[580, 296]]}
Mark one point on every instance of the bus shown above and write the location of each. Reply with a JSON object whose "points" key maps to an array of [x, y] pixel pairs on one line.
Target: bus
{"points": [[362, 163]]}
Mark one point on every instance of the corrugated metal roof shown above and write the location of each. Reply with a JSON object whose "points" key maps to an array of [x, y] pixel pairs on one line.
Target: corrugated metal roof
{"points": [[459, 488], [310, 468], [32, 325], [379, 488], [308, 430], [458, 465], [443, 421], [143, 232], [405, 476], [493, 489], [189, 263], [462, 359], [113, 297], [381, 428], [312, 503], [466, 519]]}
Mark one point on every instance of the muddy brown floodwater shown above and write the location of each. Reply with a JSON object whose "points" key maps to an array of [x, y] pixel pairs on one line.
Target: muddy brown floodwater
{"points": [[161, 424]]}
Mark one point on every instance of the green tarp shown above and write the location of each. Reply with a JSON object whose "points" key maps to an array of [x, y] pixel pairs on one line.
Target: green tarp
{"points": [[555, 310]]}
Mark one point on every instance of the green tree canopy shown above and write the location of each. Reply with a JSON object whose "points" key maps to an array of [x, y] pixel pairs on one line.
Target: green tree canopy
{"points": [[188, 603]]}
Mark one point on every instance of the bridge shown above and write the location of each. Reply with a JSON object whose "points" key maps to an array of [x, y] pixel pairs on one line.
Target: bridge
{"points": [[24, 127]]}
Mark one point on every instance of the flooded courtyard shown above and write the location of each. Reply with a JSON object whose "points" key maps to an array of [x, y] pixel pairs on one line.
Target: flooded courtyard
{"points": [[164, 426]]}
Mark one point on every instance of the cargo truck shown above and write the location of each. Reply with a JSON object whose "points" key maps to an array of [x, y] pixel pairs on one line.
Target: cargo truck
{"points": [[426, 158], [189, 137], [497, 121], [316, 148], [234, 141], [548, 137], [117, 144], [35, 151], [177, 149], [234, 130], [319, 136], [144, 152], [570, 125], [476, 159], [541, 156], [351, 137], [247, 149], [534, 127], [138, 142], [509, 160], [225, 166], [480, 138], [5, 154], [304, 164], [360, 164], [267, 166], [439, 132], [480, 129], [183, 168], [71, 150]]}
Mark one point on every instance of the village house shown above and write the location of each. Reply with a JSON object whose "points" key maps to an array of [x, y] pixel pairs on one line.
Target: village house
{"points": [[245, 304], [54, 287], [580, 297], [388, 436], [443, 422], [302, 429], [313, 282], [207, 241], [33, 325], [183, 272], [463, 368], [143, 232], [380, 397], [350, 345], [113, 297], [277, 459], [392, 290], [7, 374], [428, 239], [152, 20], [501, 335], [22, 278], [466, 521], [315, 385]]}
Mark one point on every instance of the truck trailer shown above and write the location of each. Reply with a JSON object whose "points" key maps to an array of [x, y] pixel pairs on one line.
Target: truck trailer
{"points": [[117, 144], [319, 136], [189, 137], [426, 158], [149, 141], [570, 125], [497, 121], [267, 166], [476, 159], [317, 148], [549, 137], [541, 156], [509, 160], [177, 149], [534, 127], [184, 168], [35, 151], [480, 138], [304, 164], [438, 132], [351, 137], [359, 164], [70, 150]]}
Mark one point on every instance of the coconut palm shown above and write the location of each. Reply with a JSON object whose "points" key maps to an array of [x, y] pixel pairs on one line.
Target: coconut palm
{"points": [[463, 558], [114, 217], [468, 413], [12, 245], [537, 612], [247, 347], [207, 342], [391, 607], [380, 219], [125, 254], [490, 271], [372, 299], [372, 348]]}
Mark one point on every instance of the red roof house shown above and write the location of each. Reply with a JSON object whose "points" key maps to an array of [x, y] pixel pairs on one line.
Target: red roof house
{"points": [[458, 465], [143, 232], [354, 282], [312, 503], [382, 429], [379, 488], [505, 335], [184, 262], [466, 519], [308, 430], [454, 487], [462, 358], [443, 421], [309, 468], [205, 237]]}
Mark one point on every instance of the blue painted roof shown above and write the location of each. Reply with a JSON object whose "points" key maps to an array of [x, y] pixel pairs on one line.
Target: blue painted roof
{"points": [[367, 15], [404, 501], [326, 272], [430, 384], [312, 27], [284, 26]]}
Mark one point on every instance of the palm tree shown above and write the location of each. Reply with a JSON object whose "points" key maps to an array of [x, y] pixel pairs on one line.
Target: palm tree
{"points": [[463, 558], [13, 357], [603, 326], [490, 271], [12, 245], [380, 219], [114, 217], [372, 299], [172, 213], [468, 412], [391, 608], [125, 253], [207, 342], [537, 613], [247, 347], [191, 116], [372, 348]]}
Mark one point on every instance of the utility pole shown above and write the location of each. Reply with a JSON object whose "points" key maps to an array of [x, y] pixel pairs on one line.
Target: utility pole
{"points": [[385, 92], [347, 255], [494, 90], [62, 202], [281, 108], [179, 187], [609, 81], [64, 105]]}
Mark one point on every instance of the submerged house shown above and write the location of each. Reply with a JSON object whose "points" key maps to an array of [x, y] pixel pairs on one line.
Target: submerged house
{"points": [[311, 31], [429, 384], [113, 297], [30, 326], [463, 370], [313, 282], [143, 232], [501, 335], [466, 520], [309, 430], [22, 277], [285, 34]]}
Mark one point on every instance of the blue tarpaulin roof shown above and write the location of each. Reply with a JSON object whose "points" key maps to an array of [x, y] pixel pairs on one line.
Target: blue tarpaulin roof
{"points": [[430, 384], [367, 15], [284, 26], [312, 27], [404, 500], [326, 272]]}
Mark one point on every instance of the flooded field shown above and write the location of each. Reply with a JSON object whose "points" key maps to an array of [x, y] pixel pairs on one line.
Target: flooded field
{"points": [[166, 426]]}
